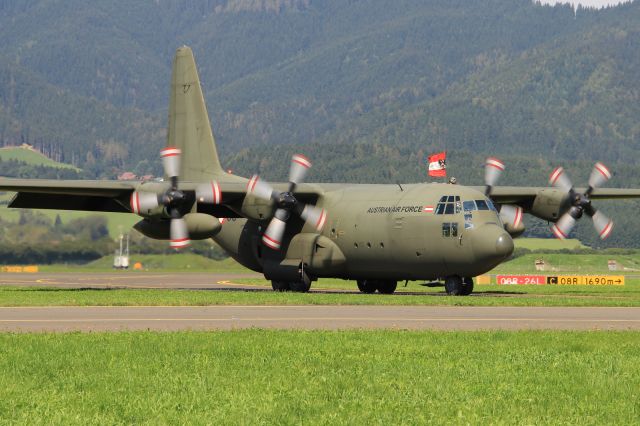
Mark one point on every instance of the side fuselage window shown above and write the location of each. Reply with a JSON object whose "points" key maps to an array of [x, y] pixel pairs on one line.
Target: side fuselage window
{"points": [[450, 229]]}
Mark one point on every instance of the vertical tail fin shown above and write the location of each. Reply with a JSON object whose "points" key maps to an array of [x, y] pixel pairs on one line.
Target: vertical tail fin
{"points": [[189, 128]]}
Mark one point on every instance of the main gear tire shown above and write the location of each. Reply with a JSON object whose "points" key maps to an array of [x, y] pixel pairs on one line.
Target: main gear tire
{"points": [[387, 287], [301, 286], [367, 286], [453, 285], [280, 285]]}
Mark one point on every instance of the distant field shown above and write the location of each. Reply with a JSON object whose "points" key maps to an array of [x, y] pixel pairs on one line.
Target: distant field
{"points": [[547, 244], [31, 157], [175, 262], [320, 377], [565, 263]]}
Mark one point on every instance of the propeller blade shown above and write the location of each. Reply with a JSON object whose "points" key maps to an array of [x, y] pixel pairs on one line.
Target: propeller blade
{"points": [[314, 216], [559, 179], [603, 224], [179, 234], [511, 215], [171, 161], [259, 188], [300, 165], [563, 226], [142, 202], [272, 237], [599, 175], [209, 193], [493, 169]]}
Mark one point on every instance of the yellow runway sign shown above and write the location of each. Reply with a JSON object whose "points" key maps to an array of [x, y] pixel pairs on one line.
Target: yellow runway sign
{"points": [[559, 280], [19, 269], [586, 280]]}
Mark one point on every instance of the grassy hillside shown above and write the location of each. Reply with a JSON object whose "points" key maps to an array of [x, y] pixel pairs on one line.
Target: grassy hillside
{"points": [[31, 157]]}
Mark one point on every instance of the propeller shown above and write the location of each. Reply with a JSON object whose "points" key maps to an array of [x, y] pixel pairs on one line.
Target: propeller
{"points": [[287, 203], [175, 201], [581, 203], [509, 214]]}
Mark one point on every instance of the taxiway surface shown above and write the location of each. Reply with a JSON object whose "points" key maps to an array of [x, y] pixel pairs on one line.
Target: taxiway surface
{"points": [[100, 318]]}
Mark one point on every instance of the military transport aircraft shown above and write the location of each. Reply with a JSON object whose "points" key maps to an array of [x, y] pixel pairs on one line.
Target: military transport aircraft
{"points": [[295, 232]]}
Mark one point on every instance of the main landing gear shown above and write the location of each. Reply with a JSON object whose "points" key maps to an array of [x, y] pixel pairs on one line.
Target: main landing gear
{"points": [[458, 286], [301, 286], [383, 286]]}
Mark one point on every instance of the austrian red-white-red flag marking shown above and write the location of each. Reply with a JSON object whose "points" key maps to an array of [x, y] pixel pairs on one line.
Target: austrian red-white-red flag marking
{"points": [[427, 209], [438, 164]]}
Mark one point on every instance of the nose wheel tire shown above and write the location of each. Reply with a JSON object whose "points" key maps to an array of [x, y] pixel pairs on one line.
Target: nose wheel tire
{"points": [[458, 286]]}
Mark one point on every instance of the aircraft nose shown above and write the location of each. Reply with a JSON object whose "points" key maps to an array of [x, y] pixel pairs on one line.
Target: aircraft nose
{"points": [[492, 242], [504, 245]]}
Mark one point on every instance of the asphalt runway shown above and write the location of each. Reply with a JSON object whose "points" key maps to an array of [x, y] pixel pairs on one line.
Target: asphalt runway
{"points": [[99, 318]]}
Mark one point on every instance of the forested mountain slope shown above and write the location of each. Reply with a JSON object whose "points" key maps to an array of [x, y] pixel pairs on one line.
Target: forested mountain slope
{"points": [[505, 76]]}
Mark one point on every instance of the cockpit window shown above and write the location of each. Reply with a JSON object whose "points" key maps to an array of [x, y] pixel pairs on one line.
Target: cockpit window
{"points": [[478, 205], [469, 206], [482, 205], [449, 205]]}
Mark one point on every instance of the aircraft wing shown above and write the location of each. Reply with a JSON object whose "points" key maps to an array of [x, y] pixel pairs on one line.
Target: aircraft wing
{"points": [[90, 195], [114, 196], [524, 196]]}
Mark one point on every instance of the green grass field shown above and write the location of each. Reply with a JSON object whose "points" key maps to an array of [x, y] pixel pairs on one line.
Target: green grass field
{"points": [[489, 295], [31, 157], [175, 262], [299, 377], [547, 244]]}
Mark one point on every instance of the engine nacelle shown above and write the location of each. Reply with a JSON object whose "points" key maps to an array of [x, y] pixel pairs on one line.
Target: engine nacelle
{"points": [[199, 225], [549, 204]]}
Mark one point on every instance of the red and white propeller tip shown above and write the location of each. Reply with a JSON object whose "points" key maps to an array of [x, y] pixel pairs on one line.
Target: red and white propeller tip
{"points": [[179, 234], [171, 161], [602, 224], [143, 201], [493, 168], [209, 193], [315, 216], [562, 228], [272, 237], [511, 215], [559, 179], [299, 167], [259, 188], [599, 175]]}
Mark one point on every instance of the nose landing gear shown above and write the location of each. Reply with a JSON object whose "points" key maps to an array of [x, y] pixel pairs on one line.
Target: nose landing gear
{"points": [[458, 286]]}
